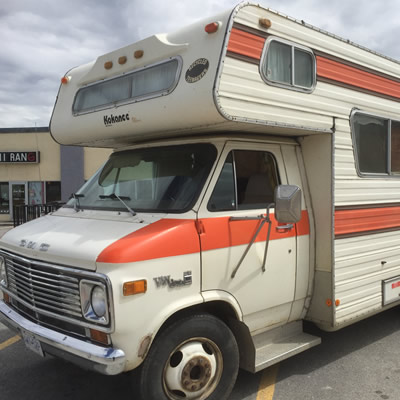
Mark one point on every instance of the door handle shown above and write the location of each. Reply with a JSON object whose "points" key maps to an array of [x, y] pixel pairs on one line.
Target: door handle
{"points": [[284, 228]]}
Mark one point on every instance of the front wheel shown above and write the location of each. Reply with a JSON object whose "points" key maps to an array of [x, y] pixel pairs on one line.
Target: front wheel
{"points": [[195, 358]]}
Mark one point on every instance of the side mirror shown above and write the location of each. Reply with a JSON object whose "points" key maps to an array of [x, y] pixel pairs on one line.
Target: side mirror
{"points": [[288, 204]]}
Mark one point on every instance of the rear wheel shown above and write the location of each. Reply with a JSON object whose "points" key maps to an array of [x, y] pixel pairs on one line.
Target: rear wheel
{"points": [[194, 359]]}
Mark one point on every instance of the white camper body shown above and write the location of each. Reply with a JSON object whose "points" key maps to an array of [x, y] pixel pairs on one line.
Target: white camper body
{"points": [[255, 184]]}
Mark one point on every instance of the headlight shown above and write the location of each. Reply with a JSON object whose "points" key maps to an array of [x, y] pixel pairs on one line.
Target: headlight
{"points": [[3, 274], [99, 301], [94, 301]]}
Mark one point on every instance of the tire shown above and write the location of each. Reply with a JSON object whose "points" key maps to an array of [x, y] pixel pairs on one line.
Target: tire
{"points": [[196, 358]]}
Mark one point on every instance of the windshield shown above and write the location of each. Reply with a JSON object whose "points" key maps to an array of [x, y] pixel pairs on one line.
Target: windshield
{"points": [[159, 179]]}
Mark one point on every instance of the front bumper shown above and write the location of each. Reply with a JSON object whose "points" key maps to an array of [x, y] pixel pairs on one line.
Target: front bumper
{"points": [[105, 360]]}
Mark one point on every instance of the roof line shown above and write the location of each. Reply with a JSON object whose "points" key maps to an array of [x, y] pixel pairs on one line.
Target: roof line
{"points": [[25, 130]]}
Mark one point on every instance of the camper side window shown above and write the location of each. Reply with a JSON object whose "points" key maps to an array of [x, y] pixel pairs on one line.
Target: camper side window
{"points": [[288, 65], [247, 181], [377, 145]]}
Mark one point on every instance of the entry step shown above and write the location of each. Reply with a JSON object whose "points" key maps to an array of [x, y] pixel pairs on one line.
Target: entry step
{"points": [[281, 343]]}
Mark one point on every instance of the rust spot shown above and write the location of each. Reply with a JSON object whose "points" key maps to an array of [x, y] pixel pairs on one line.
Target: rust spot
{"points": [[144, 346]]}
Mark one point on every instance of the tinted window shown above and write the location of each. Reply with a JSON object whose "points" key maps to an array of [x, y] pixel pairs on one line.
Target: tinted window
{"points": [[395, 147]]}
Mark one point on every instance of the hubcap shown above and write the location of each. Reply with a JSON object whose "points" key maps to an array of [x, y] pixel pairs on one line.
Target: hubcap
{"points": [[193, 370], [196, 374]]}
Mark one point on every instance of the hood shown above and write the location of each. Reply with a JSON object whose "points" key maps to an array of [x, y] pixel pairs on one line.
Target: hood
{"points": [[70, 240]]}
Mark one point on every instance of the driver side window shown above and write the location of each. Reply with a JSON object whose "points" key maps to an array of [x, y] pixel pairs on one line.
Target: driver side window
{"points": [[247, 181]]}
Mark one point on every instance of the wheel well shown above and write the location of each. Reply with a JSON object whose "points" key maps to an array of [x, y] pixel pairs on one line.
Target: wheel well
{"points": [[219, 309], [226, 313]]}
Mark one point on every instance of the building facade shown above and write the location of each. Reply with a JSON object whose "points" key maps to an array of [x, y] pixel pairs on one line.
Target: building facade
{"points": [[34, 169]]}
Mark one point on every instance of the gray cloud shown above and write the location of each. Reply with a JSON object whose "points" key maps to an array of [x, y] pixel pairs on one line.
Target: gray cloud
{"points": [[41, 40]]}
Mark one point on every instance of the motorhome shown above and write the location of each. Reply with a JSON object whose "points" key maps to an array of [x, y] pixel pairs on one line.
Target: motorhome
{"points": [[254, 185]]}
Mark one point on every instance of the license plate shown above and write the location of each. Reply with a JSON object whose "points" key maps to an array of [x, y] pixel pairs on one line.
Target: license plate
{"points": [[32, 343]]}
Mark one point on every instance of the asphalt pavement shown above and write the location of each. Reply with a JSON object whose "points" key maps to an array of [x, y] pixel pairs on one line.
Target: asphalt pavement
{"points": [[360, 362]]}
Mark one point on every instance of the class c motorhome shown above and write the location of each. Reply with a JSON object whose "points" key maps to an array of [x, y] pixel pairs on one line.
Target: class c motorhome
{"points": [[255, 184]]}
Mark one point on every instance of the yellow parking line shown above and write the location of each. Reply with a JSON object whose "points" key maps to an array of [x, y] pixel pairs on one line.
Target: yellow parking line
{"points": [[9, 342], [267, 384]]}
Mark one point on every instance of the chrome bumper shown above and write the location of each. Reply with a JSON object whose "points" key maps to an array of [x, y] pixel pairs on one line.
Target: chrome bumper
{"points": [[108, 361]]}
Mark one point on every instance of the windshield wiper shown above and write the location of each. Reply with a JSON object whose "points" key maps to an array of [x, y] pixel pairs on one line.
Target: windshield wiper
{"points": [[114, 196], [76, 197]]}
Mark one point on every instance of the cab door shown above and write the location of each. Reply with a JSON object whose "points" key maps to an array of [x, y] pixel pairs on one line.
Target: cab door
{"points": [[230, 217]]}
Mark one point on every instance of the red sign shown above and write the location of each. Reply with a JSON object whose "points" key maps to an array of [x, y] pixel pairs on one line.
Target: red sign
{"points": [[395, 285], [17, 157]]}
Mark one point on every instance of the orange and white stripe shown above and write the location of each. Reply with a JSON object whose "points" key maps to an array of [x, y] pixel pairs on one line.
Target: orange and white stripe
{"points": [[249, 46]]}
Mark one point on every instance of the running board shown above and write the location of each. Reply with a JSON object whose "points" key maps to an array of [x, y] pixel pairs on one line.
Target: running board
{"points": [[281, 343]]}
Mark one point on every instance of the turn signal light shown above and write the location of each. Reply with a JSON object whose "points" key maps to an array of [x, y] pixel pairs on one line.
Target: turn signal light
{"points": [[134, 287], [98, 336], [212, 28], [6, 298]]}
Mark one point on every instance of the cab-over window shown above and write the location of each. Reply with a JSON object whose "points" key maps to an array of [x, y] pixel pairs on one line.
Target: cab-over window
{"points": [[289, 65]]}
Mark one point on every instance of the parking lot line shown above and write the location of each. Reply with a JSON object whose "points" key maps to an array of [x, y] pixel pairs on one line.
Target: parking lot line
{"points": [[267, 384], [9, 342]]}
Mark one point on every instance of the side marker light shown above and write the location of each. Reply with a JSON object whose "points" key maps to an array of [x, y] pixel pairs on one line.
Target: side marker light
{"points": [[65, 79], [212, 28], [108, 65], [329, 302], [134, 287], [138, 53], [265, 22]]}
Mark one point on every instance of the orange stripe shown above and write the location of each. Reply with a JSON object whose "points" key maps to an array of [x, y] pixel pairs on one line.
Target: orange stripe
{"points": [[164, 238], [251, 45], [339, 72], [364, 220], [221, 233], [174, 237], [246, 44]]}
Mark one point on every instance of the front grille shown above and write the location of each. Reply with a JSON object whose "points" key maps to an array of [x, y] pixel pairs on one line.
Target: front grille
{"points": [[47, 290], [47, 293]]}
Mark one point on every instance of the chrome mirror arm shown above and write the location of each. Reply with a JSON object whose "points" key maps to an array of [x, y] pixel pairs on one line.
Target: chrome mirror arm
{"points": [[262, 220]]}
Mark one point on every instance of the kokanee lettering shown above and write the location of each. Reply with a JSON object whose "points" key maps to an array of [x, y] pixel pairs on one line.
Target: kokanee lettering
{"points": [[113, 119]]}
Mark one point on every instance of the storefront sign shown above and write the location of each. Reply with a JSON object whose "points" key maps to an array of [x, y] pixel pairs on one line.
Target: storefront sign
{"points": [[19, 157]]}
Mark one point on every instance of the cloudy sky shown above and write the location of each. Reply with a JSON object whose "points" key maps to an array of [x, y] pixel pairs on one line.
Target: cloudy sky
{"points": [[42, 39]]}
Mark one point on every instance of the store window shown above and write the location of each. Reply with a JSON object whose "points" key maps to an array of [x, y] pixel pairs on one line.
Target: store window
{"points": [[377, 144], [35, 193], [53, 192], [288, 64], [247, 181], [4, 198]]}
